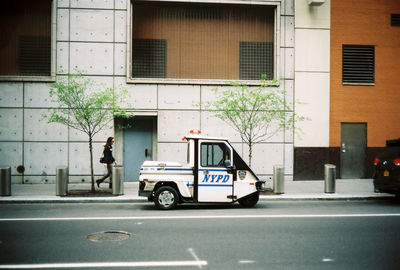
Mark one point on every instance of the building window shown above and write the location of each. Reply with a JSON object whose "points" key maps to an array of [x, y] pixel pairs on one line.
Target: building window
{"points": [[358, 64], [25, 37], [395, 19], [199, 41]]}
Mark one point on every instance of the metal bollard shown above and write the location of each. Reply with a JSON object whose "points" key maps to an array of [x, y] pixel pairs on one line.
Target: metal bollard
{"points": [[62, 180], [279, 184], [5, 181], [118, 180], [330, 178]]}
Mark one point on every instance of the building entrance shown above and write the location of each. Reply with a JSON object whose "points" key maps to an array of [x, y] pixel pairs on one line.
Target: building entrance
{"points": [[353, 150], [138, 146]]}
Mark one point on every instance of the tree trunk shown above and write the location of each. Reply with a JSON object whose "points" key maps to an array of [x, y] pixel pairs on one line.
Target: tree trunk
{"points": [[250, 153], [91, 162]]}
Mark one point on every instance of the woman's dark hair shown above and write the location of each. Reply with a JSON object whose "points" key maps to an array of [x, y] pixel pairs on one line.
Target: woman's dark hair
{"points": [[109, 142]]}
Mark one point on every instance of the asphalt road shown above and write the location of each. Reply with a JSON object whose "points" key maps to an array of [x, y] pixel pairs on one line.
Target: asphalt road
{"points": [[274, 235]]}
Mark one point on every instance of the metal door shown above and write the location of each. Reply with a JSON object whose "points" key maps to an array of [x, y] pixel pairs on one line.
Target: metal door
{"points": [[353, 150], [215, 184], [138, 142]]}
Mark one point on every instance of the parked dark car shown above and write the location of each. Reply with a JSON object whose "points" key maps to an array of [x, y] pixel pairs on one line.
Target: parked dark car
{"points": [[387, 169]]}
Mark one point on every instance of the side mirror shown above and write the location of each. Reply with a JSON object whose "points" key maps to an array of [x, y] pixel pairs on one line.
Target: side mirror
{"points": [[227, 164]]}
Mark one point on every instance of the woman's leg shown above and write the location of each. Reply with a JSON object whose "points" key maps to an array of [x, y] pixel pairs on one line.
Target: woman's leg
{"points": [[109, 172]]}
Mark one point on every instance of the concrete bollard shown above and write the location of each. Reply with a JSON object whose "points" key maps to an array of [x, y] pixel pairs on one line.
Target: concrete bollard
{"points": [[5, 181], [118, 180], [330, 178], [279, 184], [62, 180]]}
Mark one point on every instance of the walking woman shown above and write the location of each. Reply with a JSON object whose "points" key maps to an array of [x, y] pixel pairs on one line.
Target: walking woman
{"points": [[108, 160]]}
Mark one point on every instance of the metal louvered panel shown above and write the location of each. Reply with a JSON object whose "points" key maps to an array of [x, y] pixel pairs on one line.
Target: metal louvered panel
{"points": [[34, 57], [395, 20], [358, 64], [256, 59], [149, 58]]}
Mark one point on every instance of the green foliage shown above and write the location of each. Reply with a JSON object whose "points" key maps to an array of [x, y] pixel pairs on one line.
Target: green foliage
{"points": [[256, 113], [85, 105]]}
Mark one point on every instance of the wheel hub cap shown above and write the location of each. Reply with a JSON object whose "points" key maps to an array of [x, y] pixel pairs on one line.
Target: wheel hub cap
{"points": [[166, 198]]}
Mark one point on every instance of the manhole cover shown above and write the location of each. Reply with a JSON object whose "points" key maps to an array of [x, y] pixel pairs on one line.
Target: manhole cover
{"points": [[108, 236]]}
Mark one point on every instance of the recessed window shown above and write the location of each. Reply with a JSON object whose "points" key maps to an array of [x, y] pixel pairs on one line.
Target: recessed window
{"points": [[358, 64], [25, 38], [202, 41], [395, 19]]}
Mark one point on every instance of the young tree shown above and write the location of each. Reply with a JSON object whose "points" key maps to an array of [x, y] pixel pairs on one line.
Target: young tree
{"points": [[256, 113], [86, 106]]}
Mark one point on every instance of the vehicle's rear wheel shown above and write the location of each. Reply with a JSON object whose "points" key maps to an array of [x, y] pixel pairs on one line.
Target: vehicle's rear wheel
{"points": [[249, 201], [166, 198]]}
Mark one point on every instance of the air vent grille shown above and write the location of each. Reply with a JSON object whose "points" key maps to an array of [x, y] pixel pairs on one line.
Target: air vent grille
{"points": [[395, 20], [358, 64]]}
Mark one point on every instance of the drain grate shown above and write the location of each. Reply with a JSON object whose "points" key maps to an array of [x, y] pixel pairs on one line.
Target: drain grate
{"points": [[108, 236]]}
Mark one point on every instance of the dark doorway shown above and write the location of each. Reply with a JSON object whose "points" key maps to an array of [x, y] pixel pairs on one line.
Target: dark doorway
{"points": [[353, 150]]}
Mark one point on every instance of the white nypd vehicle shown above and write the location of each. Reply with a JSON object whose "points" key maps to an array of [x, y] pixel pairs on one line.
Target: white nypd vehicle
{"points": [[214, 173]]}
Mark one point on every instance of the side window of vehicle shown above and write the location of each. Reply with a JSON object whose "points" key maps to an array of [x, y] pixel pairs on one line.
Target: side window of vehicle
{"points": [[214, 154]]}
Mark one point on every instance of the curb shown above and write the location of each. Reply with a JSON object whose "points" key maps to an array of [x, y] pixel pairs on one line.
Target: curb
{"points": [[324, 197]]}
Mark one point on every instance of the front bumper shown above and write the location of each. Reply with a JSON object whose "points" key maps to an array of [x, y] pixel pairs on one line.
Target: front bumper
{"points": [[142, 192], [260, 186]]}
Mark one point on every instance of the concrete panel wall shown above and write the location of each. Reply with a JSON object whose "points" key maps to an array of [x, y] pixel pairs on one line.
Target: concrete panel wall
{"points": [[94, 58], [11, 124], [174, 125], [79, 156], [141, 97], [92, 35], [36, 95], [42, 158], [173, 152], [11, 155], [91, 25], [11, 94], [178, 96], [37, 129]]}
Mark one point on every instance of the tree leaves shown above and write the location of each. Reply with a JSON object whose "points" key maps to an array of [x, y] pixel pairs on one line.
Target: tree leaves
{"points": [[255, 112]]}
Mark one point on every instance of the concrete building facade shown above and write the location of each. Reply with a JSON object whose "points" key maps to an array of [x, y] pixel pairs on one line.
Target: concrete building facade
{"points": [[107, 39]]}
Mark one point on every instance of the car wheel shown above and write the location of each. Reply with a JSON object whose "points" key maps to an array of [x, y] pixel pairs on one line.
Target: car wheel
{"points": [[166, 198], [249, 201]]}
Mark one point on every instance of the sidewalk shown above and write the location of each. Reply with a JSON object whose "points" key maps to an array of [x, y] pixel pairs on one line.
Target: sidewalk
{"points": [[353, 189]]}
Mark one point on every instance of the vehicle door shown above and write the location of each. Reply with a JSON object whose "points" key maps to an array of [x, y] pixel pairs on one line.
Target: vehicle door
{"points": [[215, 183]]}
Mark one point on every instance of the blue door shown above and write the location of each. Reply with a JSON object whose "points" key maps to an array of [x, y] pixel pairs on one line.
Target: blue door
{"points": [[138, 144]]}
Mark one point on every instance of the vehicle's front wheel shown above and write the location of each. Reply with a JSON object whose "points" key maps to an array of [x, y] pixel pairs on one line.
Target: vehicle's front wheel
{"points": [[166, 198], [250, 200]]}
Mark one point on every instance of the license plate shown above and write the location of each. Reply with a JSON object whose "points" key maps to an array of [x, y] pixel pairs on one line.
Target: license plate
{"points": [[386, 173]]}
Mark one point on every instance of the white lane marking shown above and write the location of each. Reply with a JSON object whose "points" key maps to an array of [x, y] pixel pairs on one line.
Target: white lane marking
{"points": [[246, 261], [327, 260], [201, 217], [103, 265], [191, 251]]}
